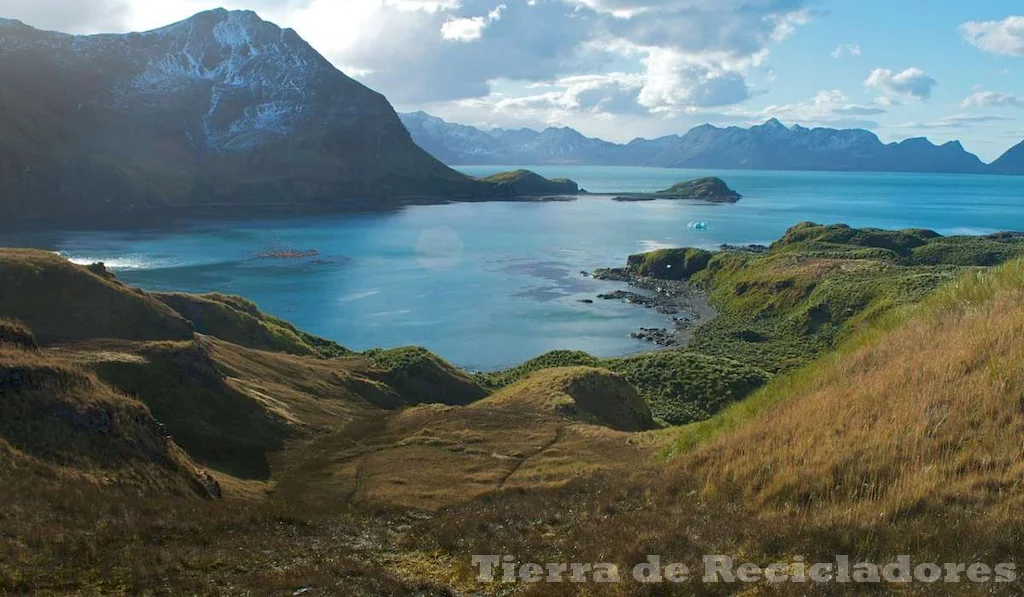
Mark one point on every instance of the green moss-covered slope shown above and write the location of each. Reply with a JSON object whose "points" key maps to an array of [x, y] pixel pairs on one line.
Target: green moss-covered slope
{"points": [[780, 308], [61, 301], [679, 386], [525, 183], [240, 321], [422, 377]]}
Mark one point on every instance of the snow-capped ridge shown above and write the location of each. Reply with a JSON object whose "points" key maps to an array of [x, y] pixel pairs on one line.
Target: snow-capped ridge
{"points": [[771, 146]]}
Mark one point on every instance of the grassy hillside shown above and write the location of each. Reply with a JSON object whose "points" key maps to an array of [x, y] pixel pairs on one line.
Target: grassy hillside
{"points": [[780, 309], [593, 395], [933, 407], [383, 473], [546, 431], [906, 440], [186, 390], [59, 421], [816, 285], [422, 377], [524, 183], [240, 321], [62, 302], [678, 386], [16, 334]]}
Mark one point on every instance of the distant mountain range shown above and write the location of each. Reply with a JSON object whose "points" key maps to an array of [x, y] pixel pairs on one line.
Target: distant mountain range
{"points": [[770, 146]]}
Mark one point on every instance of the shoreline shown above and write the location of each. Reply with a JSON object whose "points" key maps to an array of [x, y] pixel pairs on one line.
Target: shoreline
{"points": [[687, 307]]}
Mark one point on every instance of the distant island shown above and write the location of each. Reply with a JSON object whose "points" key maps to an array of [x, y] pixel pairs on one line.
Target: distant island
{"points": [[769, 146], [524, 183], [711, 189]]}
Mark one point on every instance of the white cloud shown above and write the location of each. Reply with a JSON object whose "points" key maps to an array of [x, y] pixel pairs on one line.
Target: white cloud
{"points": [[430, 6], [599, 57], [675, 81], [846, 50], [827, 108], [955, 122], [605, 94], [998, 37], [987, 99], [469, 29], [912, 83], [80, 16], [694, 53]]}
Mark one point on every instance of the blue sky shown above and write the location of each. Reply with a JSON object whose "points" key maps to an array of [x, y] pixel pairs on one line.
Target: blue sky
{"points": [[618, 69]]}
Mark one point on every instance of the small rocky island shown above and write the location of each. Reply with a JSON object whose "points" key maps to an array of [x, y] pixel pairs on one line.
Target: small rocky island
{"points": [[287, 254], [712, 190], [524, 183]]}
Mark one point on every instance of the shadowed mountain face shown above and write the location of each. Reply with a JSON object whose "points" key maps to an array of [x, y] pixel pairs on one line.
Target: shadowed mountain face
{"points": [[771, 146], [1011, 162], [221, 109]]}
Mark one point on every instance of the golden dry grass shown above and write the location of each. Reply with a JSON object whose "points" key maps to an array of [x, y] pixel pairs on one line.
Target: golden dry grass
{"points": [[534, 434], [587, 394], [924, 418], [63, 302], [60, 422]]}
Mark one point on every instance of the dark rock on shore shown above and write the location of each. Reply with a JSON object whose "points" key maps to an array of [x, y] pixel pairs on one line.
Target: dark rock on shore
{"points": [[758, 249], [661, 303], [687, 306]]}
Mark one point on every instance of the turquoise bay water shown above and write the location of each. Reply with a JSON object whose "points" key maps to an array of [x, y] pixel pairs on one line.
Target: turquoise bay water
{"points": [[489, 285]]}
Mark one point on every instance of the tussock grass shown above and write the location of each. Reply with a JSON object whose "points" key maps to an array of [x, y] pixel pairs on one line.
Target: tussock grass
{"points": [[971, 291], [904, 441], [62, 302], [592, 395], [240, 322], [679, 386], [14, 333], [924, 417], [217, 423], [59, 421], [422, 377]]}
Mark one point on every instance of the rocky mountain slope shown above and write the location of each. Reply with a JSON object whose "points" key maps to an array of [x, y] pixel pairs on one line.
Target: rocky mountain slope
{"points": [[467, 145], [770, 146], [1011, 162], [223, 110]]}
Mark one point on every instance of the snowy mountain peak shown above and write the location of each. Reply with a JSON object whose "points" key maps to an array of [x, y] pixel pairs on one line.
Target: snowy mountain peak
{"points": [[220, 107], [773, 124]]}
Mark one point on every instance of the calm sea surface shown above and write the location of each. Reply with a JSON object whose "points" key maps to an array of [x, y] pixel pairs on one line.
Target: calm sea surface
{"points": [[489, 285]]}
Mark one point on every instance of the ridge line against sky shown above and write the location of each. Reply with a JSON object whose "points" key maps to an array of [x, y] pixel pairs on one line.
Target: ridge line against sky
{"points": [[623, 144], [619, 69]]}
